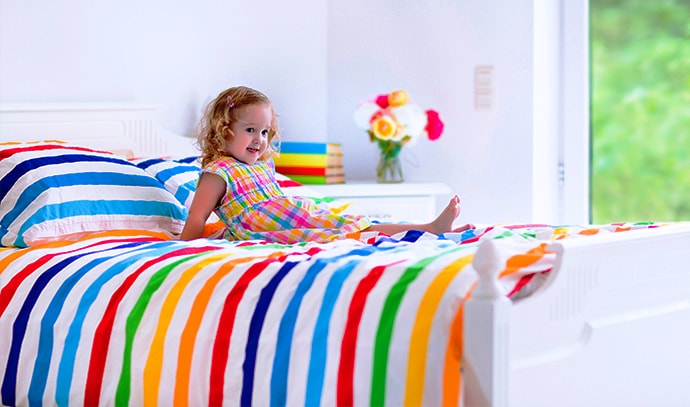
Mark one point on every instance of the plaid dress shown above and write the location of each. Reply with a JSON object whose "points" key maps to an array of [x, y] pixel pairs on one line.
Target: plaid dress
{"points": [[255, 207]]}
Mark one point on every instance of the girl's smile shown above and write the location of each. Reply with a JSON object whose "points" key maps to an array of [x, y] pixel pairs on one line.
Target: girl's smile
{"points": [[249, 139]]}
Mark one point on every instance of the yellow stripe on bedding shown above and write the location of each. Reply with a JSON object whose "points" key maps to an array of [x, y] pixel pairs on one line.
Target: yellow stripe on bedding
{"points": [[419, 342], [154, 363]]}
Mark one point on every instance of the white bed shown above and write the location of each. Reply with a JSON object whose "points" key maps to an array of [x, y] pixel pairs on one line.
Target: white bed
{"points": [[608, 326]]}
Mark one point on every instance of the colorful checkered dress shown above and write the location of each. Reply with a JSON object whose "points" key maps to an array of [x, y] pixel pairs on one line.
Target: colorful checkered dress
{"points": [[256, 208]]}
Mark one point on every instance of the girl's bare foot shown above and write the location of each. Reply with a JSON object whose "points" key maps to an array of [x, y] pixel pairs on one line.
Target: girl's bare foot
{"points": [[444, 221]]}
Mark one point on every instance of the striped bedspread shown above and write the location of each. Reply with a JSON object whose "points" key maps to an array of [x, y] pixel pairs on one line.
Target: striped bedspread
{"points": [[137, 318]]}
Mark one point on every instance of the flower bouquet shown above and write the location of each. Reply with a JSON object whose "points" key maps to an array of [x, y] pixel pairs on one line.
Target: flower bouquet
{"points": [[393, 122]]}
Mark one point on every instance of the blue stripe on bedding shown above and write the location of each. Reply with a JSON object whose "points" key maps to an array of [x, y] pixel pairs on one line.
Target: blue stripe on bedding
{"points": [[188, 160], [20, 325], [45, 341], [255, 327], [73, 338], [133, 208], [67, 180], [179, 177], [319, 344], [168, 173], [144, 164], [31, 164], [281, 361], [185, 190]]}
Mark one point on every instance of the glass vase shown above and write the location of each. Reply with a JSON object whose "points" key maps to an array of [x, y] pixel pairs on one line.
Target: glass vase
{"points": [[389, 169]]}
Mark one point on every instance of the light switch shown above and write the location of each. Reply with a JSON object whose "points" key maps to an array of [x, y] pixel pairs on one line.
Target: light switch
{"points": [[483, 87]]}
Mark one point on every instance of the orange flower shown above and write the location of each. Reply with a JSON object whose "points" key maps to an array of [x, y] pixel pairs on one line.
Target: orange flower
{"points": [[398, 98], [384, 127]]}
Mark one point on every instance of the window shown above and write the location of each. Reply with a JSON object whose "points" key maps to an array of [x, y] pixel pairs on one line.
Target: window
{"points": [[640, 110]]}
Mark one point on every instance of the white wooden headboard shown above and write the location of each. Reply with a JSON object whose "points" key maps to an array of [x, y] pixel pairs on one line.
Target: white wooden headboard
{"points": [[115, 127]]}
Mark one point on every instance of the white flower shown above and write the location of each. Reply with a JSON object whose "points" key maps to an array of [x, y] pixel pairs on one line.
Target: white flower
{"points": [[412, 118], [364, 113]]}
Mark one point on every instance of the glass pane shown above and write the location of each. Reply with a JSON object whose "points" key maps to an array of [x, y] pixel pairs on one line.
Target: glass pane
{"points": [[640, 56]]}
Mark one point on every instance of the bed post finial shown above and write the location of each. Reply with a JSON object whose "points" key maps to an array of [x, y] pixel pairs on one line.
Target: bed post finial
{"points": [[486, 328], [488, 264]]}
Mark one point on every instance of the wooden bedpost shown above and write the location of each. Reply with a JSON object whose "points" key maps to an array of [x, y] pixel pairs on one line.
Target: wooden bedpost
{"points": [[486, 330]]}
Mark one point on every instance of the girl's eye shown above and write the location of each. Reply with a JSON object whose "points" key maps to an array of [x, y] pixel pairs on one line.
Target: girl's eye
{"points": [[264, 133], [250, 130]]}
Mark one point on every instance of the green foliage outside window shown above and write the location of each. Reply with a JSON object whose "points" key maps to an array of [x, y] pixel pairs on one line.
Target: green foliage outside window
{"points": [[640, 79]]}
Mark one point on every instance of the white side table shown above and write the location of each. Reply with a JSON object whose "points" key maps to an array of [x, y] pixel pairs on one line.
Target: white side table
{"points": [[407, 201]]}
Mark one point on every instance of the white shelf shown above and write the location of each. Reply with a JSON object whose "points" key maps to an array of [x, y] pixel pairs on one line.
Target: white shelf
{"points": [[407, 201]]}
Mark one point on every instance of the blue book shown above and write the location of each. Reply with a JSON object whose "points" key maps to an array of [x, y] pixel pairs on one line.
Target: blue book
{"points": [[310, 147]]}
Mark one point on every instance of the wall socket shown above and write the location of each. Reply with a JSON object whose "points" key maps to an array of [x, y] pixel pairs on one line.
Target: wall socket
{"points": [[484, 91]]}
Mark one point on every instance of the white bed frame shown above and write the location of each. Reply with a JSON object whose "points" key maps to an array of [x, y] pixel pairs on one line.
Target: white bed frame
{"points": [[610, 326], [122, 128]]}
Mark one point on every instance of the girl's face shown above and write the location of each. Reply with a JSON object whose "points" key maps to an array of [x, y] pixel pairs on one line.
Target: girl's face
{"points": [[250, 133]]}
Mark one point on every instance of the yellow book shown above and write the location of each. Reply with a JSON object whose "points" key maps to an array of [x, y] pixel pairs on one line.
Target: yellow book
{"points": [[308, 160]]}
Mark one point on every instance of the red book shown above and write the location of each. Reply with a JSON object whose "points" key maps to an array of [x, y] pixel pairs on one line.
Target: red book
{"points": [[317, 171]]}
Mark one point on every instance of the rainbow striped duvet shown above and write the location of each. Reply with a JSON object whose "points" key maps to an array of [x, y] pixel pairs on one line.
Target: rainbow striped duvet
{"points": [[137, 318]]}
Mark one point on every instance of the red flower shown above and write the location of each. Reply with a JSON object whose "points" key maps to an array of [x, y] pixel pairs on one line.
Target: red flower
{"points": [[382, 101], [434, 125]]}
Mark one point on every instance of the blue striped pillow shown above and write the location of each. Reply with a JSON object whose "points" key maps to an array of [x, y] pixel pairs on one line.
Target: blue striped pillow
{"points": [[51, 191], [178, 176]]}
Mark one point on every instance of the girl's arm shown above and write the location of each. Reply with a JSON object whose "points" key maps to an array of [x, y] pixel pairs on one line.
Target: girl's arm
{"points": [[208, 193]]}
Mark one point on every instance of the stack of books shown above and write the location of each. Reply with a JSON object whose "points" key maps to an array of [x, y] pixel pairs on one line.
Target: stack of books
{"points": [[311, 162]]}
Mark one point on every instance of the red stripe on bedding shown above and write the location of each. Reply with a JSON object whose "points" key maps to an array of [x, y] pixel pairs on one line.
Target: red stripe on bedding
{"points": [[221, 344], [8, 292], [8, 152], [346, 368], [191, 329], [101, 340]]}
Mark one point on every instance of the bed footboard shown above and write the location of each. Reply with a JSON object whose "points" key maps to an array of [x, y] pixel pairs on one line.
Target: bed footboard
{"points": [[487, 315], [610, 326]]}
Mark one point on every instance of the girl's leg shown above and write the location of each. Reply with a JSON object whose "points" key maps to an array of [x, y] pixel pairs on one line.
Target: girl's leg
{"points": [[442, 224]]}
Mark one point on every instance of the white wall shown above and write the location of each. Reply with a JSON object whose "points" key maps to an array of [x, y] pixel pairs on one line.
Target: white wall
{"points": [[431, 49], [317, 60], [173, 54]]}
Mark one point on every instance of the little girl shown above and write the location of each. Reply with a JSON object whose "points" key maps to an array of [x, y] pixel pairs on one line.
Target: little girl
{"points": [[238, 133]]}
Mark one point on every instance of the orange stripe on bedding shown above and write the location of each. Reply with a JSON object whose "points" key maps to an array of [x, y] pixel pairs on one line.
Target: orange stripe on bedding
{"points": [[154, 362], [452, 379], [196, 315], [520, 261], [8, 291], [20, 252], [419, 342], [128, 232]]}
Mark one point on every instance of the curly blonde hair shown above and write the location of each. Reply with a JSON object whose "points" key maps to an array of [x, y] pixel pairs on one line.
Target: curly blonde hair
{"points": [[214, 127]]}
